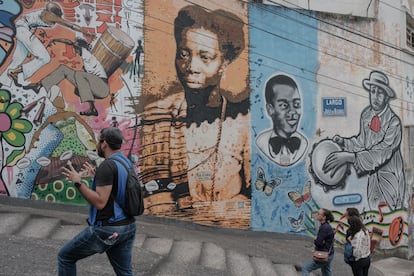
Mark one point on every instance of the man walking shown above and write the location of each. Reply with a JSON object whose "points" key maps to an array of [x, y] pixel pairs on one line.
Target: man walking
{"points": [[110, 229]]}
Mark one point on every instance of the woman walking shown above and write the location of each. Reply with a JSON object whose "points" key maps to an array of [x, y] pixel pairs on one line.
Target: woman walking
{"points": [[360, 240], [323, 242]]}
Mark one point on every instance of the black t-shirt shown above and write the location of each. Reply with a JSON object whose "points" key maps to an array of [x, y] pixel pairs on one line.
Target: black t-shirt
{"points": [[107, 174]]}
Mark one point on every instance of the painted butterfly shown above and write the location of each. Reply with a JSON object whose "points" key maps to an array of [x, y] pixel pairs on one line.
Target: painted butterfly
{"points": [[298, 199], [297, 224], [262, 185]]}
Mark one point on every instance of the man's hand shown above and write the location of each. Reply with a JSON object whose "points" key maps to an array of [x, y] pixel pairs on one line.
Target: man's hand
{"points": [[71, 174], [88, 170]]}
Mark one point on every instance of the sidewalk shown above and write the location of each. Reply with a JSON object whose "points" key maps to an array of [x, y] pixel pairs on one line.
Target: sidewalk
{"points": [[32, 232]]}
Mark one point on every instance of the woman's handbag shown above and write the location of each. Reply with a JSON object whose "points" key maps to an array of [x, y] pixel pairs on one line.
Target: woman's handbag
{"points": [[348, 253], [320, 256]]}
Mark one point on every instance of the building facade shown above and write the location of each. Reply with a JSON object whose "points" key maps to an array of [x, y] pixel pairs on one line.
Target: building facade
{"points": [[237, 114]]}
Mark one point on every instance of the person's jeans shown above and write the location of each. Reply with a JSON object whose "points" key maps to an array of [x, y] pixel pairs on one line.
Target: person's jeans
{"points": [[94, 239], [312, 265]]}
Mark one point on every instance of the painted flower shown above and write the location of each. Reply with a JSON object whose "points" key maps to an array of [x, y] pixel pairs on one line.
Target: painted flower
{"points": [[12, 126]]}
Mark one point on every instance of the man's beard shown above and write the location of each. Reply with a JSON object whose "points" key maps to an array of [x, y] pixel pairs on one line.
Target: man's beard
{"points": [[100, 152]]}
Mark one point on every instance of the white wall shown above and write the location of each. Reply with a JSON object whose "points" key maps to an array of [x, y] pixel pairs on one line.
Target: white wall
{"points": [[361, 8]]}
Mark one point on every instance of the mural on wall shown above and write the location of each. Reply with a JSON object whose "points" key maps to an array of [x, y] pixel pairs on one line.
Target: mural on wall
{"points": [[225, 119], [295, 169], [283, 88], [375, 155], [195, 126], [72, 67], [8, 12], [376, 150], [283, 143]]}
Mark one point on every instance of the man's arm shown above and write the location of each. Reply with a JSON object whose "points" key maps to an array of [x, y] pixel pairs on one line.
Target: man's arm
{"points": [[97, 198], [321, 237]]}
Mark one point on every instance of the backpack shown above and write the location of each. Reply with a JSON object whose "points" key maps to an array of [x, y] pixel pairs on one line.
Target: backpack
{"points": [[134, 200], [348, 253]]}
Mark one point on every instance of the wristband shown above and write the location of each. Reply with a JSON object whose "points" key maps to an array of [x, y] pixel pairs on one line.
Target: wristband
{"points": [[77, 185]]}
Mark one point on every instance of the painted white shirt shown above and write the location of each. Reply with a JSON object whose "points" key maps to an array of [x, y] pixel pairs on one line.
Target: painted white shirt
{"points": [[284, 157], [92, 65]]}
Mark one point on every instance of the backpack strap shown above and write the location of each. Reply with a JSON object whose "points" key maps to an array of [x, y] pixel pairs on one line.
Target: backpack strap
{"points": [[120, 203], [122, 163]]}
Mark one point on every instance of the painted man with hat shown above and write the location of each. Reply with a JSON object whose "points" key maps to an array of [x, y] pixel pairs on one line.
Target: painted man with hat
{"points": [[375, 151]]}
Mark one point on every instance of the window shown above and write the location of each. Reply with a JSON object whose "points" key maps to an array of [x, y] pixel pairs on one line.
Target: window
{"points": [[410, 31], [409, 149]]}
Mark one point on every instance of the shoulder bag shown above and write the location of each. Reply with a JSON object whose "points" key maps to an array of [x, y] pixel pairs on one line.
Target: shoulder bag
{"points": [[322, 256]]}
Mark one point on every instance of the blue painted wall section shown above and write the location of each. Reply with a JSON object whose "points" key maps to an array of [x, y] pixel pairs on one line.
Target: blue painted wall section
{"points": [[279, 40]]}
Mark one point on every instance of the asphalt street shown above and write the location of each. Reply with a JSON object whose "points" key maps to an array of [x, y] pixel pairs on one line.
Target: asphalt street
{"points": [[31, 233]]}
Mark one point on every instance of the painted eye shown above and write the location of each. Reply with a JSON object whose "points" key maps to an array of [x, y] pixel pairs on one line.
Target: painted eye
{"points": [[283, 106], [184, 54]]}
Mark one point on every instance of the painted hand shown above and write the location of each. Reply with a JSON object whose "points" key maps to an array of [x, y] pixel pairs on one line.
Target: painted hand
{"points": [[336, 160], [339, 140]]}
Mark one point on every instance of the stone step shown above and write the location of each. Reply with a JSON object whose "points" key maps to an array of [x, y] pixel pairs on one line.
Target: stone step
{"points": [[264, 267], [67, 232], [213, 256], [286, 269], [185, 252], [139, 240], [208, 258], [160, 246], [12, 222], [239, 264], [39, 227]]}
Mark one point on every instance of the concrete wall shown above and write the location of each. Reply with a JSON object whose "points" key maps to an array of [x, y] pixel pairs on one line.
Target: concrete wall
{"points": [[197, 123]]}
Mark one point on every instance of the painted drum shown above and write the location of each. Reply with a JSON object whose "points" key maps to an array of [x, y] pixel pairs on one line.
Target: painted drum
{"points": [[396, 231], [112, 48], [320, 152]]}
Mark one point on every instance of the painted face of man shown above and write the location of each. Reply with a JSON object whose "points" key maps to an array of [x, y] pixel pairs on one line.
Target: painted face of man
{"points": [[378, 98], [285, 110], [8, 11], [199, 61]]}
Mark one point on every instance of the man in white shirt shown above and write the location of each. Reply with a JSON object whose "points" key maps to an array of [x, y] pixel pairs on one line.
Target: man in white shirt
{"points": [[283, 144]]}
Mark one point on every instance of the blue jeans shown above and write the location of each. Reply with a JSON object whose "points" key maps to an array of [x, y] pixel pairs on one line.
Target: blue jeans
{"points": [[94, 240], [312, 265]]}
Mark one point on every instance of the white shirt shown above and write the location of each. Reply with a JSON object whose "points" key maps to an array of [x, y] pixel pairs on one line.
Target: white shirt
{"points": [[361, 245], [32, 20]]}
